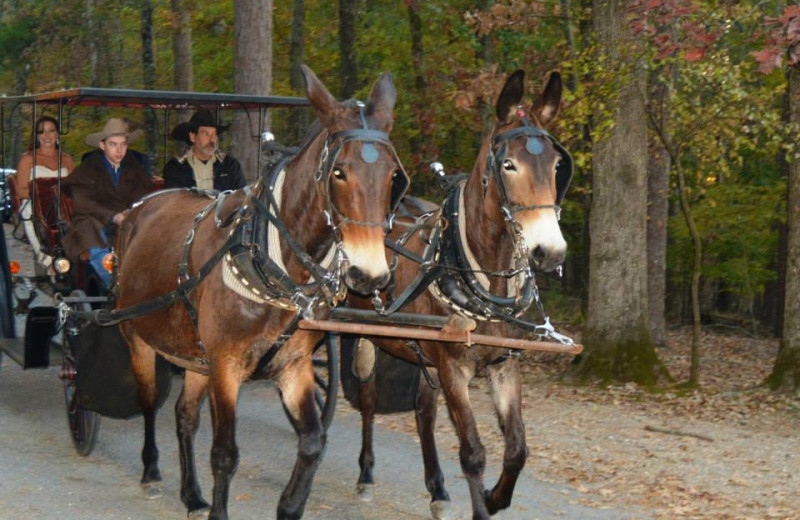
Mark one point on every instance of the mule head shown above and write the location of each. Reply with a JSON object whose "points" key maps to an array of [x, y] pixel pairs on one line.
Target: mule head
{"points": [[361, 178], [526, 169]]}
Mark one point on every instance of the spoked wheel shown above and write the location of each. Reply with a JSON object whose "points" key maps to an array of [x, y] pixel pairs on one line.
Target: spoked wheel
{"points": [[326, 363], [83, 423]]}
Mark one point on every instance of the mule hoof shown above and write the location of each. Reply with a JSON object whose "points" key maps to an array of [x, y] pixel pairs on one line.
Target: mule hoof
{"points": [[199, 514], [152, 490], [366, 492], [441, 510]]}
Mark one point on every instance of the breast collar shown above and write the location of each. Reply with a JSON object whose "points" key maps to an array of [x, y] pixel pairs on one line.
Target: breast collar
{"points": [[254, 268], [462, 284]]}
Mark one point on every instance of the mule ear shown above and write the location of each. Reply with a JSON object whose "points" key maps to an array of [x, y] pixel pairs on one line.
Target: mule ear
{"points": [[511, 95], [547, 105], [382, 97], [319, 96]]}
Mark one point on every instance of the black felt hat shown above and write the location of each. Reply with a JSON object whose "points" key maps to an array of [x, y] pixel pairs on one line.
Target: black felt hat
{"points": [[198, 119]]}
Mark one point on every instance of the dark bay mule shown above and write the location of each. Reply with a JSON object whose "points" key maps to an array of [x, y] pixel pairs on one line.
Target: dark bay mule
{"points": [[508, 211], [334, 196]]}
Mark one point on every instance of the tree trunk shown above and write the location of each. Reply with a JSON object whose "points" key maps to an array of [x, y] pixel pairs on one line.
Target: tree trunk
{"points": [[617, 340], [657, 211], [774, 296], [91, 32], [149, 80], [183, 71], [485, 59], [786, 372], [252, 63], [422, 144], [299, 118], [348, 68]]}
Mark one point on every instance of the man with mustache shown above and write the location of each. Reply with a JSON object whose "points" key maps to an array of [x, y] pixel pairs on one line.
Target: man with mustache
{"points": [[203, 166]]}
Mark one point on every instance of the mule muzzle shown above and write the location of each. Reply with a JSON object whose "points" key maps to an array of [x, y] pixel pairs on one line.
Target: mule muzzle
{"points": [[547, 258], [365, 284]]}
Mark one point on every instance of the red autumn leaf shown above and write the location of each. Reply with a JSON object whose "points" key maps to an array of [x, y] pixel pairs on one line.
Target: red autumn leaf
{"points": [[694, 54], [768, 59]]}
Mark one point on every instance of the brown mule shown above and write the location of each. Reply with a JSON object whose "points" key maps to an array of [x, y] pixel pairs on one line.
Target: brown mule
{"points": [[524, 181], [335, 195]]}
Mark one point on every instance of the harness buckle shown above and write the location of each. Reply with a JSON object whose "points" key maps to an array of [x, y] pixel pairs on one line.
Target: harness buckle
{"points": [[305, 304]]}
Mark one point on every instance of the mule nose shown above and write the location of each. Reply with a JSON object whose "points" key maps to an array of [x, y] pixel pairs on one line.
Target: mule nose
{"points": [[362, 283], [548, 258]]}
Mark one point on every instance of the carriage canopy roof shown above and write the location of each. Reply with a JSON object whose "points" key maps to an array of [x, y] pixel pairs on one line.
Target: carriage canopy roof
{"points": [[155, 99]]}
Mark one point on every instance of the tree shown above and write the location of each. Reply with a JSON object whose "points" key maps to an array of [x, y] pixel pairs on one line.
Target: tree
{"points": [[149, 76], [252, 74], [617, 339], [183, 74], [348, 68], [299, 118], [658, 168], [785, 374]]}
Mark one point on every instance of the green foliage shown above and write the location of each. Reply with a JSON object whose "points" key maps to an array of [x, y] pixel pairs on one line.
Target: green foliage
{"points": [[724, 120], [738, 227]]}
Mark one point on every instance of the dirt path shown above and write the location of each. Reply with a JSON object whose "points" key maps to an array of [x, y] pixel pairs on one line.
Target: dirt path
{"points": [[730, 451]]}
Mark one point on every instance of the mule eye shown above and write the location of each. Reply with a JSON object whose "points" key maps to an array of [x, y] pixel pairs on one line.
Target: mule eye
{"points": [[339, 174], [508, 165]]}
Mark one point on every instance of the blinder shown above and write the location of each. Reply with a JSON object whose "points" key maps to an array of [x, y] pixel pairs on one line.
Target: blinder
{"points": [[369, 154]]}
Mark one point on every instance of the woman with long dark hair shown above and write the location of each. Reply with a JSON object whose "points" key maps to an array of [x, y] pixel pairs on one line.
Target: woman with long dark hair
{"points": [[50, 161]]}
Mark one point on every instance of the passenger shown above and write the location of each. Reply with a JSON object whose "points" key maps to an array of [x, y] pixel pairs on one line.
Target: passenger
{"points": [[103, 188], [47, 150], [203, 165]]}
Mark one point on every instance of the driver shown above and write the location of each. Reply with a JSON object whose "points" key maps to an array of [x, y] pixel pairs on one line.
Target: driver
{"points": [[102, 189], [203, 165]]}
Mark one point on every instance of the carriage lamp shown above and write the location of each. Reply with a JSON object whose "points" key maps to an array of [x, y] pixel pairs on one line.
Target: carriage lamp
{"points": [[108, 262], [61, 265], [14, 267]]}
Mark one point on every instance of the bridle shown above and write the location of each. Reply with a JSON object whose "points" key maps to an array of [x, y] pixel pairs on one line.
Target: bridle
{"points": [[498, 152], [369, 154]]}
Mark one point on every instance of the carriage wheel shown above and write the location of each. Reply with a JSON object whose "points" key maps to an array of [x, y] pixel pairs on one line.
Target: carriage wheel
{"points": [[326, 363], [83, 423]]}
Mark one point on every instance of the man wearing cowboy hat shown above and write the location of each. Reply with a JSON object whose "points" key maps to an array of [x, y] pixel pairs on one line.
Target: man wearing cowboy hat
{"points": [[203, 165], [103, 187]]}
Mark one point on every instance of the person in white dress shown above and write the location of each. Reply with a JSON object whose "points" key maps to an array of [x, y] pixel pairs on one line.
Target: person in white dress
{"points": [[48, 156]]}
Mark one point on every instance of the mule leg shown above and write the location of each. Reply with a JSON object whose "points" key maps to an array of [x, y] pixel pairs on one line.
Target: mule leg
{"points": [[367, 400], [143, 365], [425, 415], [296, 384], [506, 390], [225, 382], [187, 419], [365, 365], [454, 380]]}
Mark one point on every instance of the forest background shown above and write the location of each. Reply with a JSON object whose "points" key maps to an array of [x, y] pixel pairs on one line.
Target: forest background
{"points": [[682, 118]]}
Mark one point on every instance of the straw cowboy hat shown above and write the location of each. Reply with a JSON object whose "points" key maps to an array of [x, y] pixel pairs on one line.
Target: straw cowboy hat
{"points": [[198, 119], [113, 127]]}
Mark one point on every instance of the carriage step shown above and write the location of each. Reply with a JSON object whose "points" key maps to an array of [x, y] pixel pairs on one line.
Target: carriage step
{"points": [[33, 350], [14, 348]]}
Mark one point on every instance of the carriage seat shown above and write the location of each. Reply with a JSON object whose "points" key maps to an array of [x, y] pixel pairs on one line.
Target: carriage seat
{"points": [[13, 197], [46, 218], [46, 222]]}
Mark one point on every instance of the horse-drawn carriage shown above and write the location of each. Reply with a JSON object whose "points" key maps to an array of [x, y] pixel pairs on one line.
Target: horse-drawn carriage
{"points": [[85, 286], [264, 274]]}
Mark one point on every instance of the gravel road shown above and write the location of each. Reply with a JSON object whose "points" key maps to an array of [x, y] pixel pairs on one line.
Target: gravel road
{"points": [[43, 478]]}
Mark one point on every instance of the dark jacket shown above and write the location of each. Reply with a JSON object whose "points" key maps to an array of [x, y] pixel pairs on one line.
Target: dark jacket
{"points": [[95, 200], [178, 173]]}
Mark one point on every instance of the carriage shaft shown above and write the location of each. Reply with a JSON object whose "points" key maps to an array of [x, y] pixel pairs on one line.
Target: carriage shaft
{"points": [[368, 329]]}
